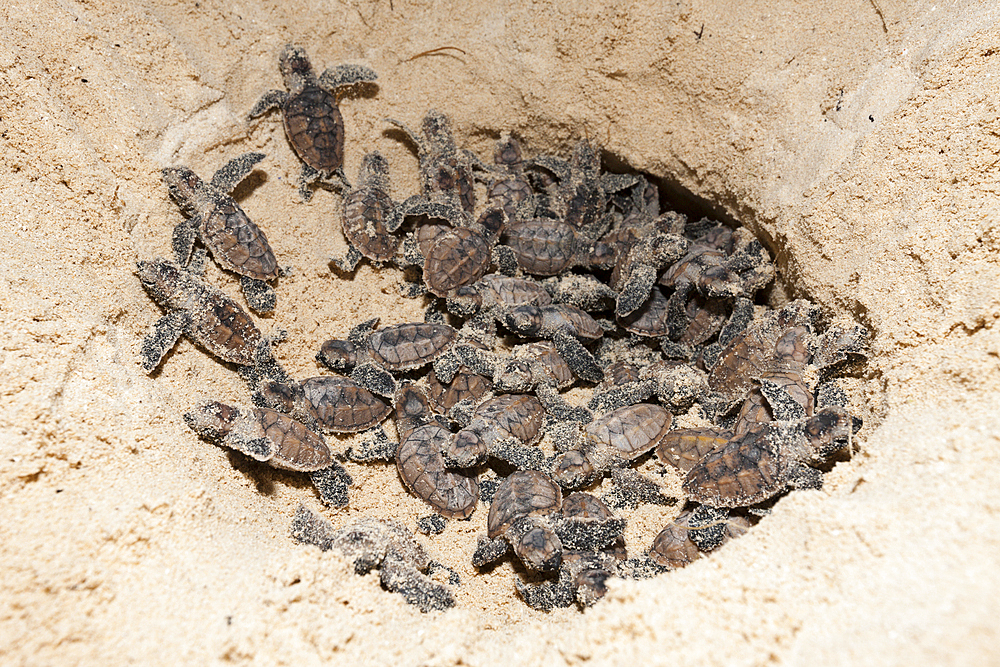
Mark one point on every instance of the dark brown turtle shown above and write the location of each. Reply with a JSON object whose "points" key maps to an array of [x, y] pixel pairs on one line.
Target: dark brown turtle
{"points": [[683, 448], [510, 186], [446, 170], [422, 469], [760, 464], [457, 258], [370, 215], [543, 246], [372, 543], [335, 404], [616, 438], [369, 355], [236, 243], [312, 119], [207, 316], [275, 438], [494, 290], [673, 547], [464, 386], [501, 427]]}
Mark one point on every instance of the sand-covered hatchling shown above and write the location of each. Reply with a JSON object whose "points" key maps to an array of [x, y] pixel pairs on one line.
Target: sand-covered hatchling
{"points": [[214, 217], [312, 118], [371, 356], [333, 404], [276, 439], [370, 216], [206, 315], [382, 544]]}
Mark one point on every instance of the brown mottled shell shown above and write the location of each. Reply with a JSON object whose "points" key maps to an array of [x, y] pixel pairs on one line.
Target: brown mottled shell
{"points": [[684, 447], [465, 385], [412, 409], [342, 406], [747, 470], [223, 328], [459, 257], [315, 128], [754, 413], [707, 317], [295, 446], [650, 319], [519, 415], [550, 359], [429, 234], [543, 247], [630, 431], [365, 213], [619, 374], [673, 547], [237, 244], [511, 192], [585, 506], [498, 289], [558, 315], [524, 493], [404, 346], [747, 357], [422, 469]]}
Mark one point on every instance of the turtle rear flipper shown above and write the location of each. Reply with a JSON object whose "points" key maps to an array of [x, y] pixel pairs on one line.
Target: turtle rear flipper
{"points": [[184, 236], [161, 337], [259, 295], [233, 172]]}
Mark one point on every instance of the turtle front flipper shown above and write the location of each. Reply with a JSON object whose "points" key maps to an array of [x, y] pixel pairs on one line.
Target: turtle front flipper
{"points": [[183, 239], [345, 75], [233, 172], [259, 295], [331, 483], [374, 379], [161, 337], [272, 99], [579, 358]]}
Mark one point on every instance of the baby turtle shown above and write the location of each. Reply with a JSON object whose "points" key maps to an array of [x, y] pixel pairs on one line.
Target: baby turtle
{"points": [[422, 469], [760, 464], [370, 355], [384, 544], [616, 438], [370, 216], [236, 243], [526, 514], [275, 438], [313, 122], [446, 170], [334, 404], [207, 316], [501, 427]]}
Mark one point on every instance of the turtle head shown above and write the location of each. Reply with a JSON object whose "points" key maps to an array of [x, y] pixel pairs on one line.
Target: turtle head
{"points": [[829, 430], [338, 355], [184, 186], [295, 66], [525, 320], [160, 278], [437, 128], [212, 420], [375, 170], [507, 151]]}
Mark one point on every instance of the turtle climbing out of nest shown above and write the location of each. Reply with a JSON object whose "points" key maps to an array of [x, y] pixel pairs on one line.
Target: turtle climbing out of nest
{"points": [[236, 243], [312, 119]]}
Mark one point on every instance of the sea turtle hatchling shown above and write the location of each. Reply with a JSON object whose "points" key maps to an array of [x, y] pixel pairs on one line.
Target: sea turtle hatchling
{"points": [[312, 119], [371, 543], [274, 438], [370, 216], [236, 243], [762, 463], [208, 316], [422, 468], [334, 404], [369, 355], [526, 515], [503, 427]]}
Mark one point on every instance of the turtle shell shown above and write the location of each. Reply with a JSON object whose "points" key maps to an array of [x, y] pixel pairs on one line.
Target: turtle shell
{"points": [[315, 128], [524, 493], [237, 244], [342, 406], [405, 346], [422, 469]]}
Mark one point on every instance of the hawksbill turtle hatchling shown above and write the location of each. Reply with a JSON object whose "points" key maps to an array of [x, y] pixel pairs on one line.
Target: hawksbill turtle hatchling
{"points": [[236, 243], [312, 119]]}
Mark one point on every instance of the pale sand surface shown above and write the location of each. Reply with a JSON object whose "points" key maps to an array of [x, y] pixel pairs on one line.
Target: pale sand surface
{"points": [[859, 138]]}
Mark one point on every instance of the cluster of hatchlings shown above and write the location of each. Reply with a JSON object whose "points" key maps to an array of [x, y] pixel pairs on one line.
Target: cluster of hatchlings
{"points": [[563, 276]]}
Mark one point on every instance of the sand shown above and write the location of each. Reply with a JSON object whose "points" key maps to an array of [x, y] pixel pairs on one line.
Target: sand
{"points": [[859, 139]]}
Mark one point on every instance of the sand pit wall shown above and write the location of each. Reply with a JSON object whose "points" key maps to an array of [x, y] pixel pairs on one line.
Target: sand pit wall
{"points": [[859, 140]]}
